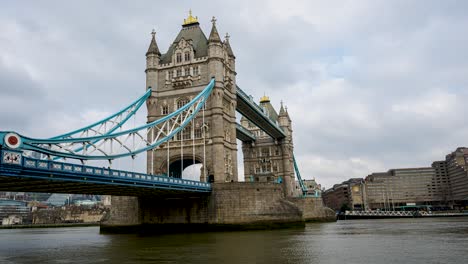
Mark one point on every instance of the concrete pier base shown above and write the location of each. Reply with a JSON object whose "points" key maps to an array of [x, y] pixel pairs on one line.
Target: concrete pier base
{"points": [[230, 206]]}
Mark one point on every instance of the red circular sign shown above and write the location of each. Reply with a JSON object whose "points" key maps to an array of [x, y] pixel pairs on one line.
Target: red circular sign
{"points": [[12, 140]]}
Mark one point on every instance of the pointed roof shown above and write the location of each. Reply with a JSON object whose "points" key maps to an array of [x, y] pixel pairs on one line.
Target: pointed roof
{"points": [[191, 32], [214, 36], [153, 47], [228, 46], [270, 110], [287, 114], [281, 111]]}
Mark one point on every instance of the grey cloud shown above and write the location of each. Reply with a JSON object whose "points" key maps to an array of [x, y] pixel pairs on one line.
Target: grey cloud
{"points": [[342, 69]]}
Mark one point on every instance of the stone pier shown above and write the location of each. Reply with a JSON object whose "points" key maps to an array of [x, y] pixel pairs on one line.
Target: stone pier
{"points": [[230, 206]]}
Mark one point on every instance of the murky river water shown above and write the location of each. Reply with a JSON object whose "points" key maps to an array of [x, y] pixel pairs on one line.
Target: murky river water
{"points": [[437, 240]]}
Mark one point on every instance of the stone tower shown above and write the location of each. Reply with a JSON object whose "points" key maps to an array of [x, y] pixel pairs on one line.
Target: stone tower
{"points": [[175, 78], [269, 160]]}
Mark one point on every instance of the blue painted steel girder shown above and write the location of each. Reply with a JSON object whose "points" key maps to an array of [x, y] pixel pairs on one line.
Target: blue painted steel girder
{"points": [[26, 174]]}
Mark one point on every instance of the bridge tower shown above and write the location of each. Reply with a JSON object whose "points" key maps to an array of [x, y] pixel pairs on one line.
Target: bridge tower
{"points": [[175, 78], [270, 160]]}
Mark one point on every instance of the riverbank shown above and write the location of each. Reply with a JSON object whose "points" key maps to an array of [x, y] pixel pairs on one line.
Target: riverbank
{"points": [[49, 225], [351, 215]]}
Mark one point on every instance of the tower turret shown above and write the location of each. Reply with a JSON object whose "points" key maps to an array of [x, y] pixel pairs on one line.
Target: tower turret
{"points": [[153, 56], [215, 52], [228, 47]]}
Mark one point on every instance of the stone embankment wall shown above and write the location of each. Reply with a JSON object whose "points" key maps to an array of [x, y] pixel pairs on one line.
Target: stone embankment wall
{"points": [[68, 215], [313, 209], [240, 204]]}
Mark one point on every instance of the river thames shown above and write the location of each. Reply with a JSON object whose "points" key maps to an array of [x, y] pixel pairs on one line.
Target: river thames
{"points": [[435, 240]]}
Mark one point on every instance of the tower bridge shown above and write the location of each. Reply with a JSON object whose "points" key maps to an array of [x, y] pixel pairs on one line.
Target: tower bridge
{"points": [[191, 98]]}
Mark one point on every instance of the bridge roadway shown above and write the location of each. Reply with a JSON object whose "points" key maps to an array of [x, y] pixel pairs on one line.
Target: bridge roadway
{"points": [[23, 174]]}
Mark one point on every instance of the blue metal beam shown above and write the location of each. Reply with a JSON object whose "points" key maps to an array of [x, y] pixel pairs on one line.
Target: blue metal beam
{"points": [[28, 168], [40, 145]]}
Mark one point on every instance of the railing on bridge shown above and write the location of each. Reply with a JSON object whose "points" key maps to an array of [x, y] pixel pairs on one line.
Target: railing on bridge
{"points": [[278, 131], [250, 99], [243, 134], [13, 163]]}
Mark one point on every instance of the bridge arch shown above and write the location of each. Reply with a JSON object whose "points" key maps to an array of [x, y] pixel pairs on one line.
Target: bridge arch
{"points": [[177, 164]]}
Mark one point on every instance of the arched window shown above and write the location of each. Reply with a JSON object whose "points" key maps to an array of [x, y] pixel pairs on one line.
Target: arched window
{"points": [[165, 110], [179, 57], [179, 72], [187, 71], [195, 71], [187, 56], [182, 102]]}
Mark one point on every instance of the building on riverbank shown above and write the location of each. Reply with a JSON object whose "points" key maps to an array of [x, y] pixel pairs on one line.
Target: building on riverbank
{"points": [[400, 187], [346, 195], [444, 185], [11, 209], [454, 173]]}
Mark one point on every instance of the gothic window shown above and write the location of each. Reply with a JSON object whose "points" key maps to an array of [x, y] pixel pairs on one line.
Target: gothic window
{"points": [[187, 56], [195, 71], [182, 102], [187, 132], [178, 57], [179, 72], [265, 152], [276, 151], [165, 110], [198, 133], [187, 71], [171, 74], [257, 170]]}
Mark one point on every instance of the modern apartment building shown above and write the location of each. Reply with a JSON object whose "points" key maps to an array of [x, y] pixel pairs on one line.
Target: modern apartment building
{"points": [[444, 184], [400, 187], [456, 164]]}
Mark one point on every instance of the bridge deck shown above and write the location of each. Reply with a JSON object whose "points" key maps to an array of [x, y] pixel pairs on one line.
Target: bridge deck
{"points": [[33, 175], [244, 135]]}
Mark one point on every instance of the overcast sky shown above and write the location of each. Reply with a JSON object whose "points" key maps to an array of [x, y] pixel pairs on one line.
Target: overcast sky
{"points": [[369, 85]]}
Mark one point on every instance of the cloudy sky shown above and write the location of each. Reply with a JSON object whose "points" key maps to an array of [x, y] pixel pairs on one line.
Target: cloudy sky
{"points": [[370, 85]]}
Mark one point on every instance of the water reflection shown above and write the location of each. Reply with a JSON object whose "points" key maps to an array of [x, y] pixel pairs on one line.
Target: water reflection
{"points": [[437, 240]]}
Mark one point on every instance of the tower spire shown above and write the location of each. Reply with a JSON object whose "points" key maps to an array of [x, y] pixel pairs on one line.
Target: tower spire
{"points": [[228, 46], [281, 111], [153, 47], [214, 36]]}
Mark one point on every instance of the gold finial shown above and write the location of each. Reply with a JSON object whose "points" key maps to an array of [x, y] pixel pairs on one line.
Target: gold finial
{"points": [[264, 99], [190, 19], [213, 20]]}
